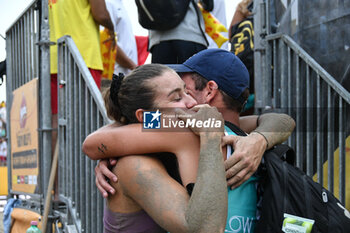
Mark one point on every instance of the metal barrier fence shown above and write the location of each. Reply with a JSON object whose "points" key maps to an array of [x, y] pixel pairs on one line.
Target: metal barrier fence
{"points": [[27, 58], [23, 65], [296, 84], [22, 51], [290, 80], [81, 111]]}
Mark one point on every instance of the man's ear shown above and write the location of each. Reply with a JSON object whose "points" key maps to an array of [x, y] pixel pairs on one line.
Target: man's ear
{"points": [[139, 114], [211, 91]]}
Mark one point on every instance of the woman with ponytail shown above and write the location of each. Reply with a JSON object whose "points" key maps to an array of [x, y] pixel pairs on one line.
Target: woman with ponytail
{"points": [[148, 197]]}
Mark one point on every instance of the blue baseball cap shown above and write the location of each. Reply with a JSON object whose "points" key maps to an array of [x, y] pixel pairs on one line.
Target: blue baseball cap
{"points": [[221, 66]]}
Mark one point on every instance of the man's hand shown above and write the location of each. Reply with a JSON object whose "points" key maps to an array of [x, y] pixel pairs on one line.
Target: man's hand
{"points": [[203, 113], [245, 159], [243, 8], [103, 173]]}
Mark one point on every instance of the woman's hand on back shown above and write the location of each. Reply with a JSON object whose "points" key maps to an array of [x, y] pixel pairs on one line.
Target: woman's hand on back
{"points": [[104, 175]]}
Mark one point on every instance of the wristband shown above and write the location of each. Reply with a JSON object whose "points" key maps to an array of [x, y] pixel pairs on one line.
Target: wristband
{"points": [[267, 142], [257, 121]]}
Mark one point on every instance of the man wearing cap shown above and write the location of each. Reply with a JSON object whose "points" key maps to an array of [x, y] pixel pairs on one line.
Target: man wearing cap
{"points": [[218, 78]]}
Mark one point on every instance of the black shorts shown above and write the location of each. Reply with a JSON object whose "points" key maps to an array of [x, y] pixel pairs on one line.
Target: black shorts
{"points": [[174, 51]]}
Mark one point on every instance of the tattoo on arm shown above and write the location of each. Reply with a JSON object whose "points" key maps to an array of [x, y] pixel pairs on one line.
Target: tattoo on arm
{"points": [[102, 148]]}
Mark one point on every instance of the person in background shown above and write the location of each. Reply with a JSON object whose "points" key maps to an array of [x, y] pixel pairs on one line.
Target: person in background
{"points": [[242, 12], [126, 59], [3, 151], [176, 45], [3, 111], [241, 33], [2, 71], [79, 19], [2, 128], [3, 140]]}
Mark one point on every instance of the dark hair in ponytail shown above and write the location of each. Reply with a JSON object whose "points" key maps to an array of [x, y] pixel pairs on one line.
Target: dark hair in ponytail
{"points": [[129, 93]]}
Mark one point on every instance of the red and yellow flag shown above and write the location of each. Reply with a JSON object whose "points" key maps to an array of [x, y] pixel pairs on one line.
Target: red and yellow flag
{"points": [[213, 27], [108, 54]]}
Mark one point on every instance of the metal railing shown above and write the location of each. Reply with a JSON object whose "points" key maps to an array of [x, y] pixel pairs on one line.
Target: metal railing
{"points": [[27, 58], [23, 62], [289, 80], [296, 84], [81, 111], [22, 52]]}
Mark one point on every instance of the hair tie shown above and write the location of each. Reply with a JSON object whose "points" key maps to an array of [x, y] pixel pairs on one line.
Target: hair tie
{"points": [[115, 86]]}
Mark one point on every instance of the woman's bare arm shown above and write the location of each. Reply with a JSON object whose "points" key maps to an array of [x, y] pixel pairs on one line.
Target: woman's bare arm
{"points": [[112, 141], [248, 123]]}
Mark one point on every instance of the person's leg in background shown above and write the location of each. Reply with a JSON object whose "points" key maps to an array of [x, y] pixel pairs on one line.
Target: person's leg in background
{"points": [[163, 53], [174, 51], [186, 49], [97, 75]]}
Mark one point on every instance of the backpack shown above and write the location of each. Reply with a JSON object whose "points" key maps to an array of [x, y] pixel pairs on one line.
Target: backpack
{"points": [[288, 190], [161, 14]]}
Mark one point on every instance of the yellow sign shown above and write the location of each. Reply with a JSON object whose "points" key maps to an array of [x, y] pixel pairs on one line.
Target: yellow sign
{"points": [[24, 138], [3, 181], [336, 173]]}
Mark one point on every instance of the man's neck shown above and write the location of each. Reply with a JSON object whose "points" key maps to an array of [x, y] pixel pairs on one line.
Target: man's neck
{"points": [[230, 116]]}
